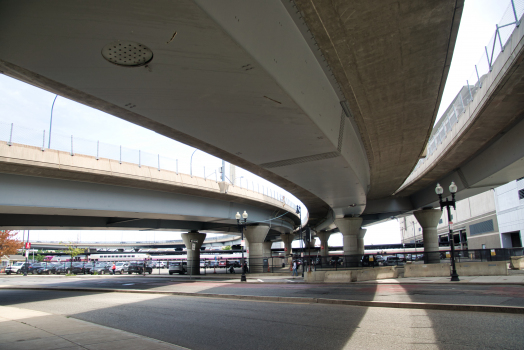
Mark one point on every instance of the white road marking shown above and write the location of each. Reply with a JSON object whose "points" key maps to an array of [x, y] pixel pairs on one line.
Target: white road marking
{"points": [[128, 284], [290, 281], [260, 280]]}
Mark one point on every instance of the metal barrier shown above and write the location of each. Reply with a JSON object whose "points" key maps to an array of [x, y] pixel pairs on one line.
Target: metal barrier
{"points": [[503, 31], [11, 134]]}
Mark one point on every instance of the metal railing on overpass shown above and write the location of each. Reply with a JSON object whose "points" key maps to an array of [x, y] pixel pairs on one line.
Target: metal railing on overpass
{"points": [[510, 20], [12, 134]]}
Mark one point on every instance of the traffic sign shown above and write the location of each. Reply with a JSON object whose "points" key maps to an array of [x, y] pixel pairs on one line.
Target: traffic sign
{"points": [[243, 243], [28, 245], [193, 246], [194, 241]]}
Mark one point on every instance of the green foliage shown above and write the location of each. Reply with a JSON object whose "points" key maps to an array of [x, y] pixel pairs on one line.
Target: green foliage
{"points": [[73, 251], [227, 247], [39, 258]]}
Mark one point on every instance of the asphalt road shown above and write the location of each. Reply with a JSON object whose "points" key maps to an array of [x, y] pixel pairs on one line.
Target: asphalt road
{"points": [[468, 294], [207, 323]]}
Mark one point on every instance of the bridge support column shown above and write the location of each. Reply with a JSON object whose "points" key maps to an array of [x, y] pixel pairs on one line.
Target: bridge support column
{"points": [[287, 238], [193, 256], [266, 249], [256, 236], [428, 219], [350, 229], [324, 238], [308, 245], [360, 241]]}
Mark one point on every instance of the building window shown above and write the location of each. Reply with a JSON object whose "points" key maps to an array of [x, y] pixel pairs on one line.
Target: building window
{"points": [[419, 229], [521, 194], [440, 221], [481, 227]]}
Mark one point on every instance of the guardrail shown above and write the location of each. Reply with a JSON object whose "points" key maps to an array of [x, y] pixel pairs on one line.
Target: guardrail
{"points": [[12, 134], [510, 20]]}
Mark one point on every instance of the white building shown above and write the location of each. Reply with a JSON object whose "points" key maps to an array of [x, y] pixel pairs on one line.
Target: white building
{"points": [[493, 219], [510, 213]]}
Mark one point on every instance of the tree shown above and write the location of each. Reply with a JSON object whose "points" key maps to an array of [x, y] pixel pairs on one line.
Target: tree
{"points": [[8, 243], [73, 251], [227, 247]]}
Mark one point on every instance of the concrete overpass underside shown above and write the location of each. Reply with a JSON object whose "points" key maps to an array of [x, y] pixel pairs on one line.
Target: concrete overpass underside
{"points": [[333, 101]]}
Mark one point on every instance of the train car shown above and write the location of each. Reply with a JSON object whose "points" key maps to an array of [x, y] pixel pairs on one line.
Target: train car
{"points": [[119, 256]]}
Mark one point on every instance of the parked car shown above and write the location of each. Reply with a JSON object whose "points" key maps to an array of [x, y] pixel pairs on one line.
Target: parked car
{"points": [[17, 268], [33, 267], [179, 267], [222, 263], [68, 268], [101, 268], [138, 267], [121, 267], [88, 266], [47, 269], [392, 261], [203, 264]]}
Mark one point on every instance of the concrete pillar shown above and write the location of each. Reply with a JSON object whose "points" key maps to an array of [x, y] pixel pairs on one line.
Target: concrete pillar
{"points": [[266, 249], [287, 238], [350, 229], [324, 237], [360, 241], [193, 256], [256, 235], [428, 219], [308, 245]]}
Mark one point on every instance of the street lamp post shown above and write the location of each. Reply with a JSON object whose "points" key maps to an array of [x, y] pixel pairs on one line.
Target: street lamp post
{"points": [[241, 228], [299, 212], [449, 203]]}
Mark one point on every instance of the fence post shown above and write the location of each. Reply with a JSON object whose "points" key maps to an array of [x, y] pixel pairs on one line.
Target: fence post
{"points": [[159, 162], [72, 153], [500, 39], [10, 143], [517, 22], [97, 150], [487, 56], [43, 142], [478, 78], [120, 154], [470, 95]]}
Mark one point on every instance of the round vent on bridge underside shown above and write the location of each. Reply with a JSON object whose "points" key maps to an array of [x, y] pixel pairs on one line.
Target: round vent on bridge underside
{"points": [[127, 53]]}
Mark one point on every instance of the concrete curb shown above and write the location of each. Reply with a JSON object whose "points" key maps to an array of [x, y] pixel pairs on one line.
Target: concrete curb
{"points": [[388, 304]]}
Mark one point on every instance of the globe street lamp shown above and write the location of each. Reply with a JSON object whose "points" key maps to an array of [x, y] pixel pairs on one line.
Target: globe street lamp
{"points": [[241, 228], [449, 203]]}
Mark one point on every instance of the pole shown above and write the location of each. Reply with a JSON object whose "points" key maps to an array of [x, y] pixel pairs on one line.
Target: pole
{"points": [[191, 164], [454, 275], [243, 277], [51, 122]]}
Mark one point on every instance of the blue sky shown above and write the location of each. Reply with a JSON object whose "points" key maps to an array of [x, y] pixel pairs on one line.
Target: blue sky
{"points": [[29, 107]]}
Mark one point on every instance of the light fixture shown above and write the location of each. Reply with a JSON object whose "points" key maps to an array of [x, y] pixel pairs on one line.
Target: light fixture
{"points": [[238, 215], [127, 53], [439, 190], [453, 187], [244, 215]]}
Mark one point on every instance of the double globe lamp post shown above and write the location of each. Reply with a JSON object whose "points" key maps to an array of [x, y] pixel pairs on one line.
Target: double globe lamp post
{"points": [[241, 228], [449, 203]]}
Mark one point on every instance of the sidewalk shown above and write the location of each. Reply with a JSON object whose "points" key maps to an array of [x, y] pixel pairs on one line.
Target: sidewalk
{"points": [[489, 280], [28, 329]]}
